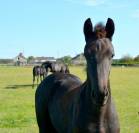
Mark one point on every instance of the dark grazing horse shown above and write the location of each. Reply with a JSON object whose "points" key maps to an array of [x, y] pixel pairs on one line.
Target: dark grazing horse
{"points": [[39, 72], [65, 105], [56, 67]]}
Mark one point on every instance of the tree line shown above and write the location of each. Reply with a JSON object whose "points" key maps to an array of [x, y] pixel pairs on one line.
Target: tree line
{"points": [[126, 60]]}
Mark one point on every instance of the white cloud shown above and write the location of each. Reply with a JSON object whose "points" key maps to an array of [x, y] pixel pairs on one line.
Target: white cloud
{"points": [[94, 2], [107, 3], [88, 2], [136, 14], [117, 6]]}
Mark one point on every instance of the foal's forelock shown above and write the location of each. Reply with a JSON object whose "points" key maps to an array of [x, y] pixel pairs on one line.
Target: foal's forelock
{"points": [[100, 31]]}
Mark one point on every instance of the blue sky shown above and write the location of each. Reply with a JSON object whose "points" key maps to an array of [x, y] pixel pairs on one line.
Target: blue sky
{"points": [[55, 27]]}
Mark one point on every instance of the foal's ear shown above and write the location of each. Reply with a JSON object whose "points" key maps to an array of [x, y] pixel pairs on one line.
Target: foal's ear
{"points": [[110, 28], [88, 29]]}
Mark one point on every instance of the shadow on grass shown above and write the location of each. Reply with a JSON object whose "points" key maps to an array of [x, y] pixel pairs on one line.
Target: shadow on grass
{"points": [[21, 86]]}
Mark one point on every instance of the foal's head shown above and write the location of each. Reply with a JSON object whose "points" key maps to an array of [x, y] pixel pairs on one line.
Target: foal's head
{"points": [[98, 53]]}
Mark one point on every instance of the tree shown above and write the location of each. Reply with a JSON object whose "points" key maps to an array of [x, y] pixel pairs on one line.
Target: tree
{"points": [[30, 58], [67, 60], [136, 58], [126, 59]]}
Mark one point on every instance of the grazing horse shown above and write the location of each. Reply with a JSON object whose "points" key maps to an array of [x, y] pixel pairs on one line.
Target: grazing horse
{"points": [[43, 73], [66, 105], [56, 67], [39, 72]]}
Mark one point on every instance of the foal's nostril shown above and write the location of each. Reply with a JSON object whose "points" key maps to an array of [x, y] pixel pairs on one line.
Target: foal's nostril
{"points": [[105, 91]]}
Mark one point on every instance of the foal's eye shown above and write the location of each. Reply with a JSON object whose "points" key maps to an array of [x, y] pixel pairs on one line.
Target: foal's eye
{"points": [[112, 55]]}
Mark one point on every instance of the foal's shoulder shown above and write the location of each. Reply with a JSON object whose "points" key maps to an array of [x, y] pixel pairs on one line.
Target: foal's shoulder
{"points": [[59, 84], [62, 79], [66, 78]]}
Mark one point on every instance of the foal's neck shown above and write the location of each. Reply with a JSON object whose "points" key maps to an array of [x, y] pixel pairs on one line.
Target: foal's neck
{"points": [[99, 111]]}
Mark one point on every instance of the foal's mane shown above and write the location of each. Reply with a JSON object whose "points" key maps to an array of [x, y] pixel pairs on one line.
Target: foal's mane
{"points": [[100, 31]]}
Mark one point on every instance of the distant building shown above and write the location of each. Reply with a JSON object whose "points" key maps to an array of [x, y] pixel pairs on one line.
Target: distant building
{"points": [[78, 60], [20, 60], [6, 61], [40, 60]]}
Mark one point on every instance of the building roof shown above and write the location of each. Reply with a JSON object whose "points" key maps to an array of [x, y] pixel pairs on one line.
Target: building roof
{"points": [[20, 57], [79, 59]]}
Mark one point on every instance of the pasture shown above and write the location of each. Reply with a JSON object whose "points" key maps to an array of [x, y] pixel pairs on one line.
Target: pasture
{"points": [[17, 112]]}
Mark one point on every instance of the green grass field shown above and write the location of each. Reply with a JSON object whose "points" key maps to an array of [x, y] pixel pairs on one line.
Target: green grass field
{"points": [[17, 112]]}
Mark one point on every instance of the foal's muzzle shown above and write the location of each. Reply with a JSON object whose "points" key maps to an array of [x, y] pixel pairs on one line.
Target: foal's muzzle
{"points": [[100, 98], [106, 96]]}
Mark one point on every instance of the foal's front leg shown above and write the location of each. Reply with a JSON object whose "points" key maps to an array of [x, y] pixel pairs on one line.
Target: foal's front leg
{"points": [[37, 80], [33, 81], [41, 78]]}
